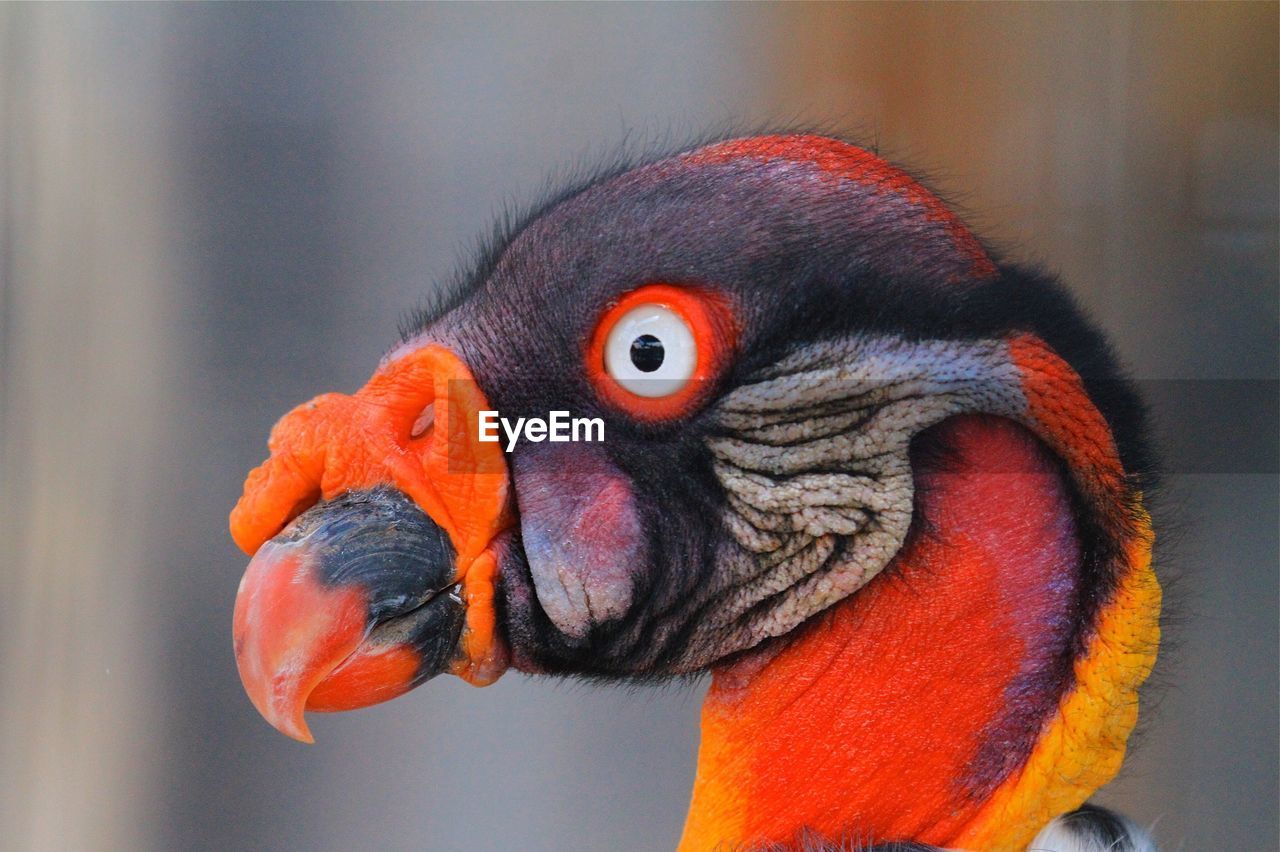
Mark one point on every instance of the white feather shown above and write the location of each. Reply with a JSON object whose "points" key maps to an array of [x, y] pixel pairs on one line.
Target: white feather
{"points": [[1093, 831]]}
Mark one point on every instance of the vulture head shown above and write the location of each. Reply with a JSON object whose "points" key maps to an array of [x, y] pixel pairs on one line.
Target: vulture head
{"points": [[885, 489]]}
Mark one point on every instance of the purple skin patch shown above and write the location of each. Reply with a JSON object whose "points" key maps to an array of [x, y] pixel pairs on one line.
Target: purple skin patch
{"points": [[581, 534]]}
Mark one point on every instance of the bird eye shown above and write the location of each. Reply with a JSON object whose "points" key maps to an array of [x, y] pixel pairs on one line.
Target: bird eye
{"points": [[651, 352], [655, 351]]}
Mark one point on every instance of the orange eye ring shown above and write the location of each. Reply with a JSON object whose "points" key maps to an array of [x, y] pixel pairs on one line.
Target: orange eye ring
{"points": [[711, 323]]}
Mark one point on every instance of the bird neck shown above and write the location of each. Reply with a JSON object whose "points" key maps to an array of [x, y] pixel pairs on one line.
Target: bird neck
{"points": [[919, 708]]}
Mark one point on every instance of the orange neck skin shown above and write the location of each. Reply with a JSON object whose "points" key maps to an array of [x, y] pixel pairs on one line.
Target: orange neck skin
{"points": [[899, 712]]}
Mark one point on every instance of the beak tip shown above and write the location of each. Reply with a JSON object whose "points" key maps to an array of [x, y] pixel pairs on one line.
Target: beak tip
{"points": [[288, 633], [290, 721], [298, 731], [283, 710], [294, 729]]}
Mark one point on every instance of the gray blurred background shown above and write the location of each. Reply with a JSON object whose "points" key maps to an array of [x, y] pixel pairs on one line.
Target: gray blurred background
{"points": [[210, 213]]}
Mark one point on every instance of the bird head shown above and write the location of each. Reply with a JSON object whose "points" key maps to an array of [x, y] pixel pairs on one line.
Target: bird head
{"points": [[885, 489]]}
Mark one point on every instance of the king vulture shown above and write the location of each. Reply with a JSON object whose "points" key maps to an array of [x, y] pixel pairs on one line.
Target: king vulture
{"points": [[885, 488]]}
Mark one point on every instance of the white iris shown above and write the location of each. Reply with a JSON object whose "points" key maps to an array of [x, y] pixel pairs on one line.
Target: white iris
{"points": [[639, 365]]}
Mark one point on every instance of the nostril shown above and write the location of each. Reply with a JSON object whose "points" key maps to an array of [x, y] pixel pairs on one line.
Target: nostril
{"points": [[424, 422]]}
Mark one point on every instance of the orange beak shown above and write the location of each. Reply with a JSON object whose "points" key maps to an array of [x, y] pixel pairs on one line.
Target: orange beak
{"points": [[376, 527]]}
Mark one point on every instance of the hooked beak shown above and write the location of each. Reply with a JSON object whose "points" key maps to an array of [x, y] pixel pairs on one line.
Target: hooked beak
{"points": [[354, 603], [376, 528]]}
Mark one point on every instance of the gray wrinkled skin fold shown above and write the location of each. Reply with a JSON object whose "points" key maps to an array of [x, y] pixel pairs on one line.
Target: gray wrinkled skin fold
{"points": [[813, 456]]}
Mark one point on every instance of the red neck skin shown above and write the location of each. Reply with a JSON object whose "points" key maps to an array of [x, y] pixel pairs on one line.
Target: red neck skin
{"points": [[897, 713]]}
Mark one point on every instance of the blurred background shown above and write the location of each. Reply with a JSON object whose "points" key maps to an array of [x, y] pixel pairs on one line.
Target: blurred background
{"points": [[209, 213]]}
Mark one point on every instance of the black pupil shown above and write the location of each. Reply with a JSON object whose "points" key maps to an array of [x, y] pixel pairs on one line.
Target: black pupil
{"points": [[647, 353]]}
